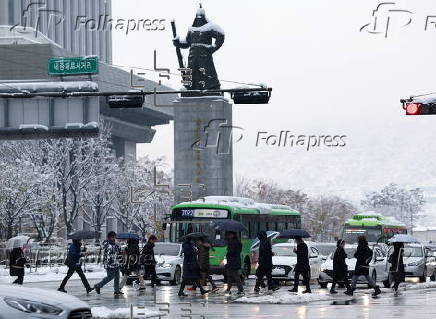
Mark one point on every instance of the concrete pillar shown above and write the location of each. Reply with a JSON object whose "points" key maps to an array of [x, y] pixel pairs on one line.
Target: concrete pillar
{"points": [[203, 153]]}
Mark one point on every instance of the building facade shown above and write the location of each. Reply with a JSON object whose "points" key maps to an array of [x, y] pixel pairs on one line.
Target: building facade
{"points": [[79, 26]]}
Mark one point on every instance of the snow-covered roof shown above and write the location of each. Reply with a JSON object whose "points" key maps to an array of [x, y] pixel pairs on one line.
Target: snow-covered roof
{"points": [[34, 87], [240, 202]]}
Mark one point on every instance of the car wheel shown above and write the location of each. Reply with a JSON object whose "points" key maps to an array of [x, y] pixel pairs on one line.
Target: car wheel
{"points": [[423, 278], [373, 277], [177, 277], [323, 285], [433, 277]]}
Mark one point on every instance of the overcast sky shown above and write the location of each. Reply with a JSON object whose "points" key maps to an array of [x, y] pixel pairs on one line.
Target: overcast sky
{"points": [[328, 79]]}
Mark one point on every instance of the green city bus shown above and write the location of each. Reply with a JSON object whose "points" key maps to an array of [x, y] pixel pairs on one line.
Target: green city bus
{"points": [[200, 215], [376, 227]]}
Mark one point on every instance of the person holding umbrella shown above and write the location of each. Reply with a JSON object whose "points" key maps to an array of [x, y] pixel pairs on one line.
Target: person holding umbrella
{"points": [[340, 268], [396, 270], [233, 266], [203, 260], [363, 255], [131, 264], [17, 261], [111, 258], [74, 264], [302, 267], [265, 263], [191, 268]]}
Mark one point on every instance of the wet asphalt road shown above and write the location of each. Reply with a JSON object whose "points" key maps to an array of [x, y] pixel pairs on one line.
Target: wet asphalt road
{"points": [[411, 304]]}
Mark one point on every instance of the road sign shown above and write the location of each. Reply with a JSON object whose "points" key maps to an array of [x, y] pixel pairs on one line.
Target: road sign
{"points": [[73, 66]]}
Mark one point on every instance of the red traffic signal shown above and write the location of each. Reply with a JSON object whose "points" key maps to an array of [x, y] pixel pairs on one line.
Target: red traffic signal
{"points": [[413, 109]]}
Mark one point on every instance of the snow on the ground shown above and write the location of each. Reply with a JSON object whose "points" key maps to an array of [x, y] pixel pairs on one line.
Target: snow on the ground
{"points": [[44, 274], [285, 297], [122, 313]]}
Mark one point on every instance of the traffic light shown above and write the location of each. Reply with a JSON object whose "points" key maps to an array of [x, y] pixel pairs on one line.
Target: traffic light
{"points": [[252, 97], [413, 108], [125, 101]]}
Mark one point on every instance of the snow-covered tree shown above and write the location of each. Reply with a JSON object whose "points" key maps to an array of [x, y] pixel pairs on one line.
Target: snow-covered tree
{"points": [[403, 204]]}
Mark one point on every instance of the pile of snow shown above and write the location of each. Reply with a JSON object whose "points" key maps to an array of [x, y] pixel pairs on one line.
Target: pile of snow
{"points": [[121, 313], [285, 297]]}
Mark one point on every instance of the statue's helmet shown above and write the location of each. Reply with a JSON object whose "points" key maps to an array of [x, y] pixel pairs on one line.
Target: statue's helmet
{"points": [[200, 17]]}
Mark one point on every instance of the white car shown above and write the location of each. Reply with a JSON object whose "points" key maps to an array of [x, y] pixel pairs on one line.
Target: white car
{"points": [[284, 261], [418, 262], [169, 262], [17, 302], [378, 267]]}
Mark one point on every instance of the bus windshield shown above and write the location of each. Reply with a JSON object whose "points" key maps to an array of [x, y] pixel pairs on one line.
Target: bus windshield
{"points": [[372, 234], [180, 229]]}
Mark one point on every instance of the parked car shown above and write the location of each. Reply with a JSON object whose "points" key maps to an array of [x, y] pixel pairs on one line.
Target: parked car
{"points": [[19, 302], [418, 262], [431, 263], [284, 261], [378, 267], [169, 262]]}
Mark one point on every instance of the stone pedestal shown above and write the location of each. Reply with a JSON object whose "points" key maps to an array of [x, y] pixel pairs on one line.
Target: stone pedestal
{"points": [[203, 154]]}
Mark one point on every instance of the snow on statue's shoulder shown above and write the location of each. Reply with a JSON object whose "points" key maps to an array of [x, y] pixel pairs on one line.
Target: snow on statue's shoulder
{"points": [[210, 26]]}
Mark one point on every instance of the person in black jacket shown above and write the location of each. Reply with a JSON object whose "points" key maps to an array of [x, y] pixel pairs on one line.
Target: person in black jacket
{"points": [[74, 264], [265, 263], [233, 266], [149, 261], [16, 265], [131, 263], [363, 255], [340, 268], [396, 270], [204, 248], [191, 267], [302, 267]]}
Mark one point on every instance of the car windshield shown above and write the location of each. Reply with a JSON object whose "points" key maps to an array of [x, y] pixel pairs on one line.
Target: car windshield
{"points": [[167, 249], [283, 251], [413, 252]]}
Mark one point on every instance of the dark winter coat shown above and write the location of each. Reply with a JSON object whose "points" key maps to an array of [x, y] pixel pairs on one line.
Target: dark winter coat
{"points": [[340, 268], [234, 249], [302, 258], [147, 255], [203, 257], [74, 254], [363, 255], [131, 257], [397, 266], [17, 262], [112, 257], [265, 251], [191, 268]]}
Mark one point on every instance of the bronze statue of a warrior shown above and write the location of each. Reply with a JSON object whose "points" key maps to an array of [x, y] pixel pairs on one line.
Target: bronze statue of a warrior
{"points": [[200, 42]]}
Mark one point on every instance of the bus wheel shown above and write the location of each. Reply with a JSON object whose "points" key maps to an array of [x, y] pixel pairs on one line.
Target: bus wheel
{"points": [[246, 268]]}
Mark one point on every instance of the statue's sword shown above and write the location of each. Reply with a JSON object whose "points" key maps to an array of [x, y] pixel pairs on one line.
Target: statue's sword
{"points": [[179, 53]]}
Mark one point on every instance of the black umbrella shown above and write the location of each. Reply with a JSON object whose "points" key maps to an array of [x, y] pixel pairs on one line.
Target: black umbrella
{"points": [[128, 236], [194, 236], [294, 233], [83, 234], [230, 226]]}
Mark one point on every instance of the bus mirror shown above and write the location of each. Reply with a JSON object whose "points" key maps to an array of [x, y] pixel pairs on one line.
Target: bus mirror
{"points": [[164, 226]]}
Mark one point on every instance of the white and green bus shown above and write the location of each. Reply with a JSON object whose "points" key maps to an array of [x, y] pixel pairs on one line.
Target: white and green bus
{"points": [[375, 227], [199, 216]]}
